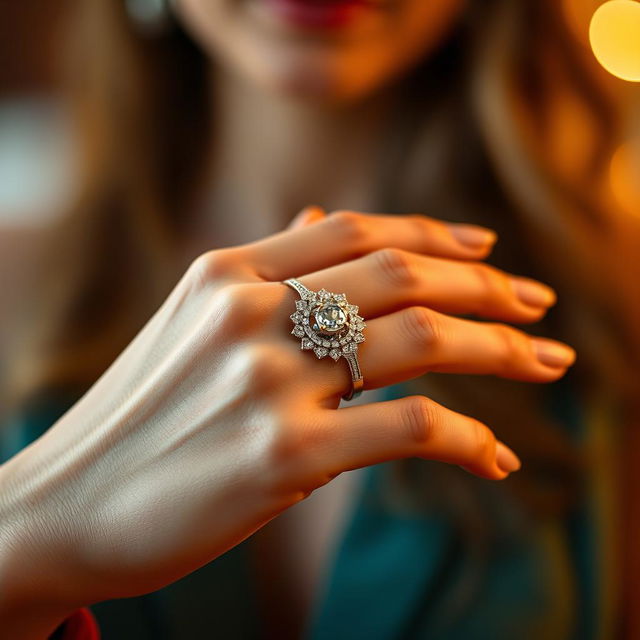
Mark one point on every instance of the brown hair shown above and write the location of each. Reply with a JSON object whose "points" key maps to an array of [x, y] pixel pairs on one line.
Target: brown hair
{"points": [[471, 142]]}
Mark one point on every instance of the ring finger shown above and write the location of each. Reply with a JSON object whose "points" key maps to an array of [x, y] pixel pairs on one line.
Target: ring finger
{"points": [[410, 342]]}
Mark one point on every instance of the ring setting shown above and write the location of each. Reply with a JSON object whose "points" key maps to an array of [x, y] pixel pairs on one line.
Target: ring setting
{"points": [[329, 325]]}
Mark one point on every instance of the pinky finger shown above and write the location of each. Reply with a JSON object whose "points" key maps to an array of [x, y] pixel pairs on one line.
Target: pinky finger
{"points": [[415, 426]]}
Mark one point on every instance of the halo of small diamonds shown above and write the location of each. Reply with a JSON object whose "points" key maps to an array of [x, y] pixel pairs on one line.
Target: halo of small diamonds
{"points": [[326, 323]]}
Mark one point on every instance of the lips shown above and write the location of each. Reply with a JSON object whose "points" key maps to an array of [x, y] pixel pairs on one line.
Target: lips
{"points": [[319, 14]]}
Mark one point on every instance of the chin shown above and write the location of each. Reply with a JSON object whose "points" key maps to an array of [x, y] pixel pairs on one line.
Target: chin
{"points": [[316, 50], [327, 84], [320, 75]]}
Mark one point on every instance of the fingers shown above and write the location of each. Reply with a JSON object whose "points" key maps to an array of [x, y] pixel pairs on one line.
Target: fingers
{"points": [[416, 340], [389, 279], [414, 426], [344, 235]]}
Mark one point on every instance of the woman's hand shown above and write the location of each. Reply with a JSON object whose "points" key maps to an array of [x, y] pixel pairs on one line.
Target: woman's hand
{"points": [[213, 421]]}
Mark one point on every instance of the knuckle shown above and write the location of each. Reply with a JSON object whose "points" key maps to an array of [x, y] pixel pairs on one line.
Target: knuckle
{"points": [[295, 453], [484, 442], [513, 345], [235, 297], [421, 327], [236, 307], [429, 228], [293, 440], [423, 225], [491, 283], [396, 265], [211, 266], [261, 368], [352, 227], [422, 419]]}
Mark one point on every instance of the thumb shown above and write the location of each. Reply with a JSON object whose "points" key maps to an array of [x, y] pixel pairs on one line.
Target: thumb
{"points": [[308, 215]]}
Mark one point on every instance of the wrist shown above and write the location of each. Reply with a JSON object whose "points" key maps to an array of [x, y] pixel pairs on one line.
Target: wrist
{"points": [[30, 606]]}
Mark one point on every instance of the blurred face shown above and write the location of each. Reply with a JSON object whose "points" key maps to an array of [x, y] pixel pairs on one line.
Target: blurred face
{"points": [[319, 50]]}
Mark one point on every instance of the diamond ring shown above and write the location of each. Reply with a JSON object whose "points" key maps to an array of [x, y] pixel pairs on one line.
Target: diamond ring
{"points": [[326, 323]]}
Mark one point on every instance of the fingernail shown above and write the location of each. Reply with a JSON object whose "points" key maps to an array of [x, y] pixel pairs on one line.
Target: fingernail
{"points": [[506, 459], [553, 354], [533, 293], [472, 236]]}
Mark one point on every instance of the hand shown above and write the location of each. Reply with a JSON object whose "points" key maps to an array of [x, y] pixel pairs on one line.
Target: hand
{"points": [[212, 421]]}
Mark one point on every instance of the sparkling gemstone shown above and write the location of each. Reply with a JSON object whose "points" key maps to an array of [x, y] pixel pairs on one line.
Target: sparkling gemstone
{"points": [[321, 352], [330, 318], [335, 353], [300, 304], [296, 317], [306, 343], [298, 331], [358, 337]]}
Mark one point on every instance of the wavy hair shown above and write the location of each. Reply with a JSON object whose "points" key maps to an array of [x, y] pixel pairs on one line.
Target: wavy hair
{"points": [[476, 137]]}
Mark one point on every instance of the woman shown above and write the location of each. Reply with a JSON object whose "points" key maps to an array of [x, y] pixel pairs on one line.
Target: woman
{"points": [[210, 132]]}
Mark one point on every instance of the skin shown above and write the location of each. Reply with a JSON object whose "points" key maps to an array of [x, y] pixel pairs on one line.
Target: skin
{"points": [[318, 67], [212, 421], [290, 104]]}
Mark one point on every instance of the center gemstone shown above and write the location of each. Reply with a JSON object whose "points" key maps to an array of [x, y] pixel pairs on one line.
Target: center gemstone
{"points": [[330, 318]]}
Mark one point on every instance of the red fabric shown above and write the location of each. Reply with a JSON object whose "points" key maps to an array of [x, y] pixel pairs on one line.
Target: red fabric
{"points": [[81, 625]]}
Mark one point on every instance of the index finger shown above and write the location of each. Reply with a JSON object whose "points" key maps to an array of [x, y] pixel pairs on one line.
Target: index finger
{"points": [[344, 235]]}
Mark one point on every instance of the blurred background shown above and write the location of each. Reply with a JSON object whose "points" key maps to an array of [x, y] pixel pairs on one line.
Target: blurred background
{"points": [[36, 148], [38, 159]]}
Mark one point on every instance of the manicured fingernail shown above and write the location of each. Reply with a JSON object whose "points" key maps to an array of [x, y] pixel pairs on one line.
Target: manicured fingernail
{"points": [[532, 293], [472, 236], [506, 459], [553, 354]]}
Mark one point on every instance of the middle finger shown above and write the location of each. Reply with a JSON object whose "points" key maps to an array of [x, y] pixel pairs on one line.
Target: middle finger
{"points": [[389, 279]]}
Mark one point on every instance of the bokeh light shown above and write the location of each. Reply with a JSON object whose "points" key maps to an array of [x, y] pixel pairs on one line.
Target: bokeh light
{"points": [[614, 34], [578, 14], [624, 175]]}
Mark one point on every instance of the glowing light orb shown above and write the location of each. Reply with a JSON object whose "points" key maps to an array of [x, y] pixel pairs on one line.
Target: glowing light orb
{"points": [[624, 175], [615, 38], [578, 14]]}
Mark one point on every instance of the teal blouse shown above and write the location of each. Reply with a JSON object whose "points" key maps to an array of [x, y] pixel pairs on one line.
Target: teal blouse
{"points": [[397, 574]]}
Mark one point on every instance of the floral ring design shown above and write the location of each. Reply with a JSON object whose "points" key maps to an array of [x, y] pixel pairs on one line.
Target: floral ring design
{"points": [[326, 323]]}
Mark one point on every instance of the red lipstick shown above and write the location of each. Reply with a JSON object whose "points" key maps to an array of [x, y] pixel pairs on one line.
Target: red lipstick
{"points": [[318, 14]]}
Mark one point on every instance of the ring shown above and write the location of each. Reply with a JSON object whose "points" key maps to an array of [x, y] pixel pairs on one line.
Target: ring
{"points": [[328, 324]]}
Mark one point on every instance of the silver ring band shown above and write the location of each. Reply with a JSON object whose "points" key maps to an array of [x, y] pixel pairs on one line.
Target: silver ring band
{"points": [[326, 323]]}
